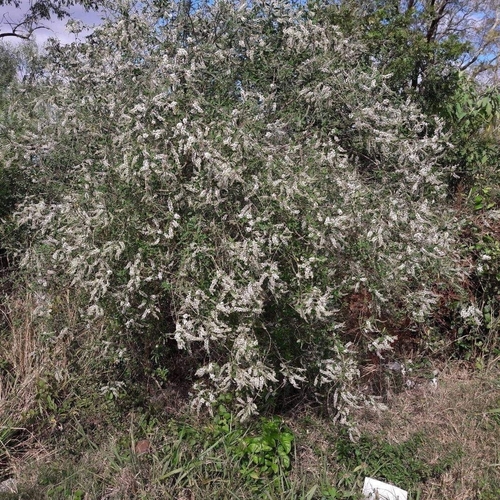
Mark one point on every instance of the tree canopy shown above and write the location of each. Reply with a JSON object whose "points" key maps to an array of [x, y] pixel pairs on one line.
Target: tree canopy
{"points": [[30, 17], [425, 43], [223, 186]]}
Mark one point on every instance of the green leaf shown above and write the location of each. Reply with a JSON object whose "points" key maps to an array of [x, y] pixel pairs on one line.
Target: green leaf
{"points": [[286, 441], [170, 473], [311, 492], [459, 112]]}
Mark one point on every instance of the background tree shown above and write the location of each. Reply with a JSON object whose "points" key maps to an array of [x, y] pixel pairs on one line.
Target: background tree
{"points": [[442, 54], [21, 68], [8, 69], [424, 44], [32, 16]]}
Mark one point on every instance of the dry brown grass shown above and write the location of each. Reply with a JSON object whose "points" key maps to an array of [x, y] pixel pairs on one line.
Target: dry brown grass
{"points": [[18, 387], [17, 352], [454, 416], [25, 358]]}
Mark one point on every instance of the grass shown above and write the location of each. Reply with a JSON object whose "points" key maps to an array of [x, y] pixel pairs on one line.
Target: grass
{"points": [[59, 442], [460, 433], [438, 443]]}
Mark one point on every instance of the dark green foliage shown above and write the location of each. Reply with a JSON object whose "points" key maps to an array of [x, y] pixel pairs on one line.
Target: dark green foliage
{"points": [[8, 66], [6, 194], [268, 451], [401, 43], [472, 115]]}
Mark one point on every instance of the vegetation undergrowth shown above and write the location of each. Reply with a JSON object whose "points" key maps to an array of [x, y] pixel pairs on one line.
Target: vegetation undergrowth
{"points": [[421, 443]]}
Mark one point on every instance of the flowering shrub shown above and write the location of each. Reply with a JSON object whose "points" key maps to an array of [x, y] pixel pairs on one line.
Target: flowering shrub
{"points": [[228, 179]]}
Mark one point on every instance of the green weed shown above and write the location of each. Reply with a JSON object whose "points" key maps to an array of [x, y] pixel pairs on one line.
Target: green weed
{"points": [[400, 464]]}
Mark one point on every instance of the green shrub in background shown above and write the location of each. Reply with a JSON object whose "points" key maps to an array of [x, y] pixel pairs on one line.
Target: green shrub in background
{"points": [[18, 63], [226, 186], [471, 112], [7, 76]]}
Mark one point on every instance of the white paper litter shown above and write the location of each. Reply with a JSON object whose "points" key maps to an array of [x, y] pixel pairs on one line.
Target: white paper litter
{"points": [[377, 490]]}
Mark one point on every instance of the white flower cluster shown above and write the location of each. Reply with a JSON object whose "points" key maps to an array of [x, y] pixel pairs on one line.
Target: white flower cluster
{"points": [[471, 315]]}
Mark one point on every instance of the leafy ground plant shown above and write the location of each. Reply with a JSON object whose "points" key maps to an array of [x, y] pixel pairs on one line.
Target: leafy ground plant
{"points": [[268, 452]]}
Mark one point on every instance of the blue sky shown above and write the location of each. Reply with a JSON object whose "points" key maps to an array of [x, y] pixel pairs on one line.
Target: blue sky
{"points": [[55, 27]]}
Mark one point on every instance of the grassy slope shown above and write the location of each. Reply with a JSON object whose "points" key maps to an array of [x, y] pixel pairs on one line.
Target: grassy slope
{"points": [[440, 443]]}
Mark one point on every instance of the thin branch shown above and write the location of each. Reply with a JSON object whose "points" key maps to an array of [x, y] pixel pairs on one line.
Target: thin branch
{"points": [[17, 35], [25, 36], [438, 16], [482, 49], [469, 63]]}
